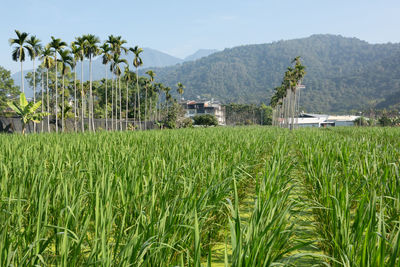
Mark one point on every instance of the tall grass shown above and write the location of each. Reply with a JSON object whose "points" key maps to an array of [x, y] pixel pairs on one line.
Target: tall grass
{"points": [[352, 181], [120, 198], [165, 198]]}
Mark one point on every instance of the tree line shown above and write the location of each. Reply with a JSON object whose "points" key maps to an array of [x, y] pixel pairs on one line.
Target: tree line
{"points": [[118, 99]]}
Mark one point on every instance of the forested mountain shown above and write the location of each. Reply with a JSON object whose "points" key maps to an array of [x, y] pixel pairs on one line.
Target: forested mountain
{"points": [[343, 74]]}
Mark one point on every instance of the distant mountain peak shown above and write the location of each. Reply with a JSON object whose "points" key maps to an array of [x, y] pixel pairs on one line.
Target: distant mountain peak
{"points": [[200, 53]]}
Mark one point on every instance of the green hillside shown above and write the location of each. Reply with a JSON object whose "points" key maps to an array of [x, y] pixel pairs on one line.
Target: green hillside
{"points": [[342, 73]]}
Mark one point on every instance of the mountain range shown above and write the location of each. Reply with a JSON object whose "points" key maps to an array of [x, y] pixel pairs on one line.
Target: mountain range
{"points": [[343, 74]]}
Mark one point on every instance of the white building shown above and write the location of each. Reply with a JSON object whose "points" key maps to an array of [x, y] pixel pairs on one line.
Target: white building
{"points": [[321, 120], [194, 108]]}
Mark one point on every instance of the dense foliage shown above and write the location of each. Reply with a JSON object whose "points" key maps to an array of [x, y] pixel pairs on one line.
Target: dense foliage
{"points": [[7, 88], [343, 74], [205, 119], [248, 114], [267, 196]]}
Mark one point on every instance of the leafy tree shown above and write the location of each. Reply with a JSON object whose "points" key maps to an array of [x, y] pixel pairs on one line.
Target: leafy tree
{"points": [[26, 111], [7, 88]]}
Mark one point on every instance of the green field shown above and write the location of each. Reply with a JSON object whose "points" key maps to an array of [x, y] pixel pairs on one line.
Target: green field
{"points": [[251, 196]]}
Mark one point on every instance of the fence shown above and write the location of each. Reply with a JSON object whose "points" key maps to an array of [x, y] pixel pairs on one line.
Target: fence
{"points": [[13, 125]]}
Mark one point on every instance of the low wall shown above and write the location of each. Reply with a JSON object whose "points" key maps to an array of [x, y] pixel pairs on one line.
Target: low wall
{"points": [[13, 125]]}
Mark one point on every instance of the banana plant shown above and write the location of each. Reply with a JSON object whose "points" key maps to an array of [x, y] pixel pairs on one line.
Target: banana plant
{"points": [[26, 110]]}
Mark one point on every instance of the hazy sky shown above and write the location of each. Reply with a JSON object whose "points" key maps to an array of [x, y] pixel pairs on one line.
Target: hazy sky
{"points": [[180, 27]]}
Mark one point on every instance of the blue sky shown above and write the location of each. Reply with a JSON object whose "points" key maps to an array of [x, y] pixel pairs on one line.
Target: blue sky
{"points": [[180, 27]]}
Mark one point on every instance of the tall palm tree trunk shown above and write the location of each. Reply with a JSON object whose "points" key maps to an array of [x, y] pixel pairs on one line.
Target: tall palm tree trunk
{"points": [[127, 107], [48, 101], [120, 103], [138, 98], [116, 103], [134, 107], [22, 74], [106, 111], [151, 111], [83, 100], [42, 100], [145, 109], [91, 95], [112, 102], [56, 96], [75, 106], [62, 105], [34, 90]]}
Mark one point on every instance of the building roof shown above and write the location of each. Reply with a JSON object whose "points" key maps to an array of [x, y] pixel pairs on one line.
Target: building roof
{"points": [[343, 118]]}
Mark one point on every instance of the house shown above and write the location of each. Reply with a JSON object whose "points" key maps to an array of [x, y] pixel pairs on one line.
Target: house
{"points": [[212, 107]]}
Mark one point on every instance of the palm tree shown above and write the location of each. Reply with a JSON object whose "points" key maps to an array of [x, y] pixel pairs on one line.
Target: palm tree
{"points": [[151, 75], [34, 49], [167, 98], [115, 66], [105, 50], [18, 53], [80, 43], [137, 62], [56, 45], [65, 60], [76, 53], [298, 73], [48, 62], [116, 44], [91, 50], [180, 89]]}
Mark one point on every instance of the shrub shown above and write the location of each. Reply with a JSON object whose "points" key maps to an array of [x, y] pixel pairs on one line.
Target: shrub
{"points": [[206, 119]]}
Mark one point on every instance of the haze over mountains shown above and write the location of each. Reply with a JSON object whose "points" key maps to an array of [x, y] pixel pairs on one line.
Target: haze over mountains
{"points": [[343, 74]]}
